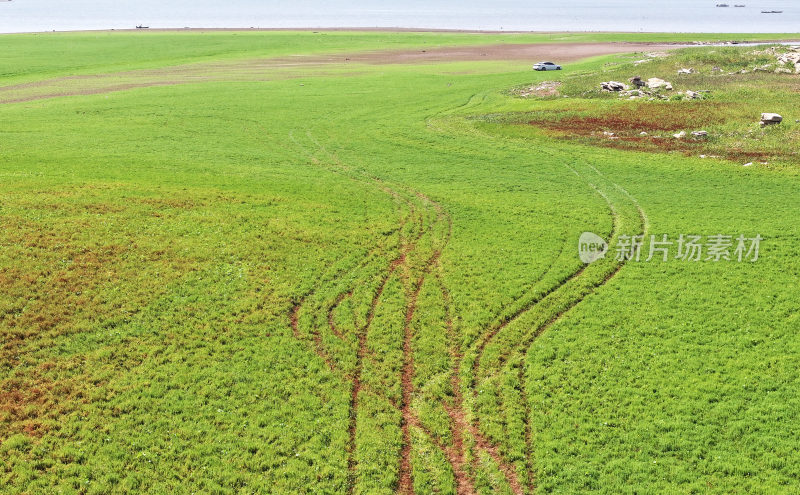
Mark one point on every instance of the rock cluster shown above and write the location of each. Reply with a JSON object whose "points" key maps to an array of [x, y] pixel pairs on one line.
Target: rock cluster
{"points": [[545, 88], [692, 95], [792, 57], [652, 89], [788, 60]]}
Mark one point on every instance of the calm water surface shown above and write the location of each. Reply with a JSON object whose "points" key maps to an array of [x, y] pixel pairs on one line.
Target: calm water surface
{"points": [[531, 15]]}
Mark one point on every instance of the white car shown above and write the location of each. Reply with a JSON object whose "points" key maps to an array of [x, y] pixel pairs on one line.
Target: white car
{"points": [[546, 66]]}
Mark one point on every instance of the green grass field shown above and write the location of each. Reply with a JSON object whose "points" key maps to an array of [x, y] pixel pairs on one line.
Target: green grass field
{"points": [[365, 279]]}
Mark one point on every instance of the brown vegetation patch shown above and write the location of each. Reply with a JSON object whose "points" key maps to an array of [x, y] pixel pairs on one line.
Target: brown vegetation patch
{"points": [[29, 405], [636, 117], [48, 298], [622, 127], [174, 203]]}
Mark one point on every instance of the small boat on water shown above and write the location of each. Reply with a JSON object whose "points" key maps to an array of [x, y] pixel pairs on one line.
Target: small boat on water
{"points": [[142, 27], [723, 5], [772, 12]]}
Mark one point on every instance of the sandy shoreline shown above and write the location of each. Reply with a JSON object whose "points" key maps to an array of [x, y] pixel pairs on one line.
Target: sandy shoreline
{"points": [[723, 36]]}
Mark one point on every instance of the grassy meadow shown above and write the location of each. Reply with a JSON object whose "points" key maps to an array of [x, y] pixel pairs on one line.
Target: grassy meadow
{"points": [[365, 279]]}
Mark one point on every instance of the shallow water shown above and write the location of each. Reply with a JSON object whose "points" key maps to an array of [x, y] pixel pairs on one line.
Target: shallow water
{"points": [[534, 15]]}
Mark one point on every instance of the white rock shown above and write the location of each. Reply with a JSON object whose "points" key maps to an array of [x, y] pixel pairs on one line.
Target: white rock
{"points": [[680, 135], [655, 83], [771, 118], [643, 133], [748, 164], [700, 133]]}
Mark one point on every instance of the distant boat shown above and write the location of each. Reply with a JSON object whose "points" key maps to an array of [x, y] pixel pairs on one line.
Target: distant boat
{"points": [[740, 6], [723, 5], [772, 12], [142, 27]]}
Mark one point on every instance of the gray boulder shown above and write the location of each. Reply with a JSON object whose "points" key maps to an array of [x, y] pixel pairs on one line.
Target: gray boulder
{"points": [[637, 82], [614, 86]]}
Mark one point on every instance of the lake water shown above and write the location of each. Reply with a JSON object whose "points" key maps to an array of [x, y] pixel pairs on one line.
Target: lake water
{"points": [[531, 15]]}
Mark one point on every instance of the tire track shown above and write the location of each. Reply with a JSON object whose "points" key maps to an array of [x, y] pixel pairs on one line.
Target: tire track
{"points": [[482, 442], [529, 343], [465, 483], [526, 343], [355, 393], [406, 247], [526, 424], [461, 426], [505, 321], [406, 485], [405, 471], [455, 454], [362, 353]]}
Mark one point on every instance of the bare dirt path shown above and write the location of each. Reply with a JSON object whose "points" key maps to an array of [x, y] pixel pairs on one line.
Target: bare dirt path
{"points": [[524, 52], [270, 69]]}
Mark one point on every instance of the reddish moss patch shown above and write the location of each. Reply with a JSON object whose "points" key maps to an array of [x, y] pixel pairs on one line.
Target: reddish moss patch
{"points": [[620, 127], [32, 404], [637, 117]]}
